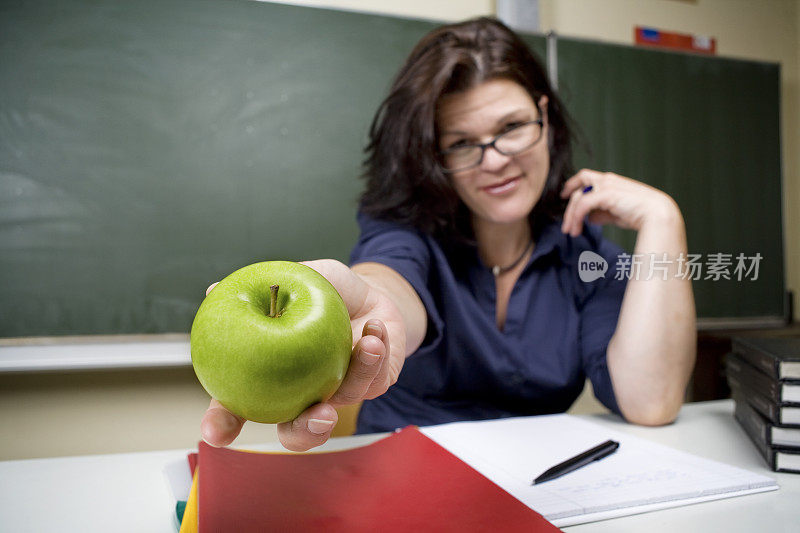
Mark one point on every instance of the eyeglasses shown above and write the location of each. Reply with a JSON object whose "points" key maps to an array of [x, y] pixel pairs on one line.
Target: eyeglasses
{"points": [[513, 141]]}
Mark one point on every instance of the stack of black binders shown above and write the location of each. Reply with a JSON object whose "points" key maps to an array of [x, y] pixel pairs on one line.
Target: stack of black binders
{"points": [[764, 376]]}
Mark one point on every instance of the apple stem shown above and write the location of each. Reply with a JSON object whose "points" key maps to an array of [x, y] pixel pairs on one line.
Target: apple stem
{"points": [[273, 300]]}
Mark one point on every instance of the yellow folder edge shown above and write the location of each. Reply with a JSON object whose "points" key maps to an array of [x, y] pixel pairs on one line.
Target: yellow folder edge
{"points": [[189, 522]]}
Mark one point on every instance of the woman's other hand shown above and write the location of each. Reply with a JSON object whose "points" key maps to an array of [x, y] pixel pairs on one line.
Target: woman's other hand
{"points": [[608, 198]]}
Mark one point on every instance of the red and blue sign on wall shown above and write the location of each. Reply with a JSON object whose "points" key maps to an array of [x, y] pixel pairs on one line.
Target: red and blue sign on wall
{"points": [[645, 36]]}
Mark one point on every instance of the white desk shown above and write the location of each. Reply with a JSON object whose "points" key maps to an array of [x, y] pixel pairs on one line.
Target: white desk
{"points": [[128, 492]]}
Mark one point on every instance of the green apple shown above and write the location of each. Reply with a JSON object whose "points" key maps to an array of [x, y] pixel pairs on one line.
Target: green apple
{"points": [[270, 340]]}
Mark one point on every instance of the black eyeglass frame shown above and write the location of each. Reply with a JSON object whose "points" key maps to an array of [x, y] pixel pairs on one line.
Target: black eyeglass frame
{"points": [[483, 147]]}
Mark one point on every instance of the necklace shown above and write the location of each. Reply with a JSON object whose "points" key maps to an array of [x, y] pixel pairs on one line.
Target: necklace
{"points": [[497, 269]]}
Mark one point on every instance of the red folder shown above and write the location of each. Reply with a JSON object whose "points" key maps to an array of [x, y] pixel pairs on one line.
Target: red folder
{"points": [[405, 482], [192, 458]]}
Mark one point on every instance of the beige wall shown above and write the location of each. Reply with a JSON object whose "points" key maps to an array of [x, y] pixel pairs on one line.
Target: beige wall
{"points": [[425, 9], [79, 413], [106, 412]]}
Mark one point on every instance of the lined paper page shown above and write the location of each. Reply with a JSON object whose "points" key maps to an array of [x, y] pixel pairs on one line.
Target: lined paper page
{"points": [[640, 476]]}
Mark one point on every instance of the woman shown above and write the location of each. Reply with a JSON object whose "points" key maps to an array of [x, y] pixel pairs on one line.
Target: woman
{"points": [[465, 294]]}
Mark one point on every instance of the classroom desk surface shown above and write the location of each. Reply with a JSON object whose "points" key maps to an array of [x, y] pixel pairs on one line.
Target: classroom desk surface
{"points": [[128, 492]]}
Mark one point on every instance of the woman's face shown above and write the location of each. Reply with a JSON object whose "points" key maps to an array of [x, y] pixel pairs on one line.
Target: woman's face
{"points": [[502, 189]]}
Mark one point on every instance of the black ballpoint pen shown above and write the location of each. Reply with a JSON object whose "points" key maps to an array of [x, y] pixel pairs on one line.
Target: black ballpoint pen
{"points": [[596, 453]]}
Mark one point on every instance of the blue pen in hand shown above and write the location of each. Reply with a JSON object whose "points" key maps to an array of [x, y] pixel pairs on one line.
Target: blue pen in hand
{"points": [[595, 454]]}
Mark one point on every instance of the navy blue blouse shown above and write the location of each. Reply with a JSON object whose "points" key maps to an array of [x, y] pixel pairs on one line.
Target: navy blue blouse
{"points": [[556, 331]]}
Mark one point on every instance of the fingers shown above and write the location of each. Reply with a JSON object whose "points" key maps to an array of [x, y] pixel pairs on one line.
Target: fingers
{"points": [[366, 365], [312, 428], [219, 426], [567, 225], [580, 180], [583, 206], [583, 203], [580, 205], [614, 199], [383, 380], [211, 287]]}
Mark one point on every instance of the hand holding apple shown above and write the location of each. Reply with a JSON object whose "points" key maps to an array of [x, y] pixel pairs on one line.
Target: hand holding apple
{"points": [[271, 340], [373, 366]]}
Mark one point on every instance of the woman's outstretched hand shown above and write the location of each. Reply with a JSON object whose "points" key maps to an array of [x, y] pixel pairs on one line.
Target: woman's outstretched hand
{"points": [[375, 362]]}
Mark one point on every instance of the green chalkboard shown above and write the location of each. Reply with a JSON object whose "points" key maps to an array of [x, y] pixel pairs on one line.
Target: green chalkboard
{"points": [[149, 148], [707, 131]]}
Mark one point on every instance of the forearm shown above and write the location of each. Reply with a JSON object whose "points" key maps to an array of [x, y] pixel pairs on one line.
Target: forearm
{"points": [[404, 298], [652, 352]]}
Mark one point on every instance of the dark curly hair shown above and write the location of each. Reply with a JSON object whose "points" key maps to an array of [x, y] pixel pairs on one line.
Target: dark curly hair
{"points": [[403, 181]]}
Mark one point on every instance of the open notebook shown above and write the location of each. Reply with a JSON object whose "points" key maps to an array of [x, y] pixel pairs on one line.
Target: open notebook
{"points": [[641, 476]]}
